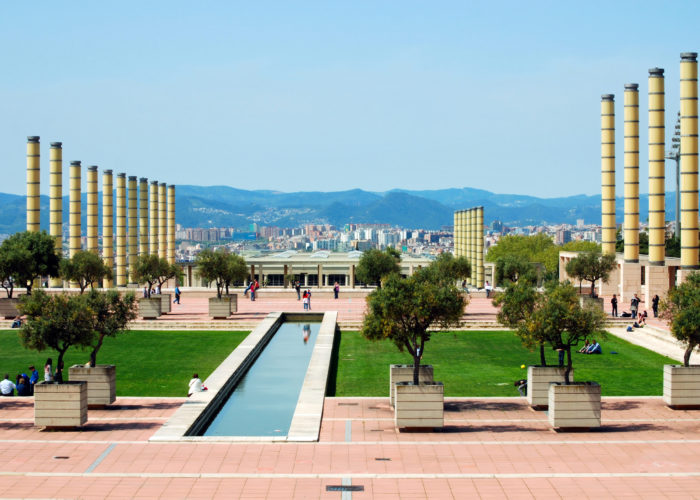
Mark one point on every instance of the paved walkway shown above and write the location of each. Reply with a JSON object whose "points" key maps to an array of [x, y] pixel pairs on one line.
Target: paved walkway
{"points": [[490, 448]]}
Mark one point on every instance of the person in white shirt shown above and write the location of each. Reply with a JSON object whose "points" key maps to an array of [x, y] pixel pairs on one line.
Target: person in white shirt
{"points": [[195, 385], [488, 288], [7, 387]]}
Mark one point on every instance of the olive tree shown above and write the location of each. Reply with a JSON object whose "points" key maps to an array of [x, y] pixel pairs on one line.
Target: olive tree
{"points": [[25, 257], [375, 265], [221, 267], [85, 268], [682, 309], [591, 266], [147, 269], [111, 314], [403, 310]]}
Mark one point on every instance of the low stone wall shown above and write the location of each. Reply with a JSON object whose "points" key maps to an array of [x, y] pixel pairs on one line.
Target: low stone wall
{"points": [[682, 386]]}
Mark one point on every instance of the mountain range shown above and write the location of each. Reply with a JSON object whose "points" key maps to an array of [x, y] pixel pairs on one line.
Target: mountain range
{"points": [[224, 206]]}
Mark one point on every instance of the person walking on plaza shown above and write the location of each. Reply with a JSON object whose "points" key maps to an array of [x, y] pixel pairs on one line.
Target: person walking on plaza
{"points": [[613, 302], [177, 295], [634, 305], [488, 289], [655, 305], [308, 296], [336, 290], [33, 379], [254, 289], [297, 287], [306, 301]]}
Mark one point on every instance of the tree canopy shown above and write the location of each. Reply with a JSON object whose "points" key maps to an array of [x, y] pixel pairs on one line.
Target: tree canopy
{"points": [[403, 309], [375, 265], [515, 268], [151, 269], [25, 257], [591, 266], [221, 267], [682, 309], [85, 268], [111, 314]]}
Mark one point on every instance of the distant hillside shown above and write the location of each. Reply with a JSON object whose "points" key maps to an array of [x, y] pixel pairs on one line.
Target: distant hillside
{"points": [[217, 206]]}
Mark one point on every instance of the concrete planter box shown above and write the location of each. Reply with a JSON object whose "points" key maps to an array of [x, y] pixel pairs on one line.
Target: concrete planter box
{"points": [[587, 300], [682, 386], [404, 373], [419, 405], [8, 308], [60, 405], [166, 304], [101, 382], [220, 308], [574, 406], [538, 380], [234, 303], [149, 308]]}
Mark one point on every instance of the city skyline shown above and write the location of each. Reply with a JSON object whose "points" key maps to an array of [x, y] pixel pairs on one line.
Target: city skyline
{"points": [[334, 97]]}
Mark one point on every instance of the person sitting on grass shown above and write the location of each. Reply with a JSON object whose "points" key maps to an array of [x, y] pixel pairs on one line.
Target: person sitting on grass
{"points": [[594, 348], [522, 386], [585, 347]]}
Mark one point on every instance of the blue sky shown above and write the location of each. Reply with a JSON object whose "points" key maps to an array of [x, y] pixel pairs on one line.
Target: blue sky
{"points": [[503, 96]]}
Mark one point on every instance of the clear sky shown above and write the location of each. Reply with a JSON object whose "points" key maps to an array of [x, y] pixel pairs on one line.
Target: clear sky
{"points": [[331, 95]]}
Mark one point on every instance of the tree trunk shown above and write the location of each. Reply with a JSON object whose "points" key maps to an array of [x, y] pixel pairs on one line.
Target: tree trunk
{"points": [[93, 354], [568, 365], [543, 360], [416, 368], [58, 377], [688, 352]]}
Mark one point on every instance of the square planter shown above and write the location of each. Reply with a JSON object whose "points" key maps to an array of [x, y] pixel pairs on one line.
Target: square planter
{"points": [[220, 308], [538, 380], [8, 308], [234, 302], [419, 405], [404, 373], [149, 308], [166, 304], [101, 382], [682, 386], [588, 301], [574, 406], [60, 405]]}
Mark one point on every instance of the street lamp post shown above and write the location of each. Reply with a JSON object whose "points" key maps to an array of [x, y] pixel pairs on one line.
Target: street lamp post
{"points": [[675, 154]]}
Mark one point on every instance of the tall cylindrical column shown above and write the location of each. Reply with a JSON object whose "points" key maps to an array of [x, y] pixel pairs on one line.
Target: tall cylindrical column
{"points": [[171, 224], [133, 237], [473, 236], [92, 208], [480, 247], [107, 224], [162, 221], [121, 229], [631, 172], [33, 162], [74, 213], [689, 160], [470, 245], [607, 167], [56, 202], [455, 233], [143, 216], [657, 170], [153, 219]]}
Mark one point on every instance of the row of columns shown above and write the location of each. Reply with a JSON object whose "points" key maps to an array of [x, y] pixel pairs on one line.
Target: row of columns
{"points": [[129, 230], [469, 241]]}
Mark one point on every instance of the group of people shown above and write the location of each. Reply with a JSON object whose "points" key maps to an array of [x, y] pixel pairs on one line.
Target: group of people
{"points": [[635, 313], [591, 348], [253, 289], [306, 299], [23, 384]]}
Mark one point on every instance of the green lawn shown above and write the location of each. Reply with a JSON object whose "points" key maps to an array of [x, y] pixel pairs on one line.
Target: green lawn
{"points": [[487, 364], [149, 363]]}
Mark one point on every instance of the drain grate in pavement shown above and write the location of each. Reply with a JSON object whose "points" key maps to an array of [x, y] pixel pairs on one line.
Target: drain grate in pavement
{"points": [[374, 408], [348, 404], [383, 459], [338, 487], [60, 457]]}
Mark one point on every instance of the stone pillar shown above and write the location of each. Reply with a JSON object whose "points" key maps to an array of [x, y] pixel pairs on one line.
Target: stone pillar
{"points": [[468, 244], [107, 225], [630, 283], [74, 209], [92, 209], [121, 230], [607, 166], [631, 173], [133, 235], [479, 236], [473, 239], [320, 275], [162, 221], [252, 272], [153, 220], [352, 275], [657, 171], [171, 224], [455, 233], [689, 161], [56, 203], [33, 180], [284, 276], [143, 216]]}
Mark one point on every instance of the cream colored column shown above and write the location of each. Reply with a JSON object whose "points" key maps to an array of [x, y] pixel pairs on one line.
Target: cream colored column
{"points": [[479, 247], [33, 179], [121, 230], [143, 216], [56, 202], [74, 213], [171, 225], [153, 219], [472, 244], [657, 170], [91, 209], [689, 160], [132, 227], [607, 167], [162, 220], [631, 172], [455, 236], [107, 224]]}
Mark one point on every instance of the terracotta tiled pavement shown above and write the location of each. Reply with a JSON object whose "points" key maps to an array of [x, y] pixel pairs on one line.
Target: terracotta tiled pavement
{"points": [[490, 448]]}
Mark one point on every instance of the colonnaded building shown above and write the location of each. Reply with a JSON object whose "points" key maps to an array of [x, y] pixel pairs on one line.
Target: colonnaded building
{"points": [[652, 274]]}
